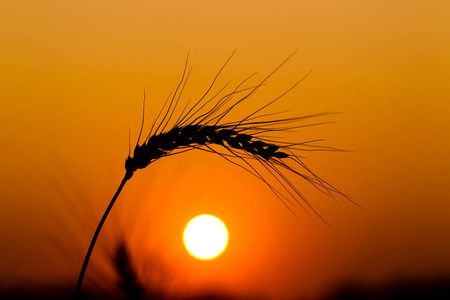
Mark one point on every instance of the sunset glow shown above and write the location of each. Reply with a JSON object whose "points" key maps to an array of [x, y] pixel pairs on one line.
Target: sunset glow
{"points": [[205, 237], [73, 78]]}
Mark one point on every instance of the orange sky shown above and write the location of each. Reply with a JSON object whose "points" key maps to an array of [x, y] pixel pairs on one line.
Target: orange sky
{"points": [[72, 76]]}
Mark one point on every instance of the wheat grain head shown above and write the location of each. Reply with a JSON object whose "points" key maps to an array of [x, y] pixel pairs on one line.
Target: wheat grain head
{"points": [[243, 142]]}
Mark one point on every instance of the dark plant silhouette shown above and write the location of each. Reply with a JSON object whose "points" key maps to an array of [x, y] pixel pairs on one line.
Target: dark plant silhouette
{"points": [[202, 126], [128, 281]]}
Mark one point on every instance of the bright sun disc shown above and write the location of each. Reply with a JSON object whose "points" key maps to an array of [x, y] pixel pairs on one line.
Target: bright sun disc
{"points": [[205, 237]]}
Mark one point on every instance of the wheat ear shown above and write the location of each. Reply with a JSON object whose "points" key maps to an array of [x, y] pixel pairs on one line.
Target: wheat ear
{"points": [[202, 126]]}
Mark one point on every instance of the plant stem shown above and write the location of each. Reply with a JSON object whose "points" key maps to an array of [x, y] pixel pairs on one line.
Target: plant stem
{"points": [[97, 232]]}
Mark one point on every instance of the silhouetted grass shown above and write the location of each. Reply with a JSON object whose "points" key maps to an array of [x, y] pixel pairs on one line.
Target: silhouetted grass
{"points": [[247, 142], [130, 286]]}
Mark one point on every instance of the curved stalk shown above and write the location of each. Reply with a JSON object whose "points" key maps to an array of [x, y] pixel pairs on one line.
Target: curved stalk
{"points": [[97, 232]]}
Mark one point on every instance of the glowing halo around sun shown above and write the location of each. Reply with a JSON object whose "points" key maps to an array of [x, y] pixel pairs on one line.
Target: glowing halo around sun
{"points": [[205, 237]]}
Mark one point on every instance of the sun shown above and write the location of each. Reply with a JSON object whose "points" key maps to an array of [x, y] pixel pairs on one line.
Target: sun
{"points": [[205, 237]]}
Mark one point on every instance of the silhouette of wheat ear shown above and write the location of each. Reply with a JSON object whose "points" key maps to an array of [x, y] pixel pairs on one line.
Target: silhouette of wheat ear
{"points": [[245, 142]]}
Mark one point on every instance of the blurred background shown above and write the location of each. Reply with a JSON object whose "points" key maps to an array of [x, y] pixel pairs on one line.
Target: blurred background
{"points": [[72, 79]]}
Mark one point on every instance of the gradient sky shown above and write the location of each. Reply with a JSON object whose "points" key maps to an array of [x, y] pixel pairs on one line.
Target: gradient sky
{"points": [[72, 76]]}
